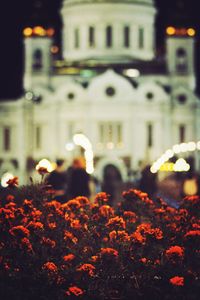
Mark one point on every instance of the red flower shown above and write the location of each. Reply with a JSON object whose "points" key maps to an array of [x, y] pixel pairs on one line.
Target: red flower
{"points": [[130, 216], [175, 252], [13, 182], [19, 231], [48, 242], [35, 225], [116, 223], [69, 257], [192, 233], [26, 244], [10, 198], [101, 198], [177, 280], [74, 290], [106, 211], [87, 268], [109, 253], [50, 266]]}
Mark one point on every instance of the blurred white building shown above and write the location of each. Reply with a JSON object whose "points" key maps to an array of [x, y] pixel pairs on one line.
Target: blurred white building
{"points": [[111, 86]]}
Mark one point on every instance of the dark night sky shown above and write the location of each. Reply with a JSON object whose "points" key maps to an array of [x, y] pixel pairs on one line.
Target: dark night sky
{"points": [[15, 15]]}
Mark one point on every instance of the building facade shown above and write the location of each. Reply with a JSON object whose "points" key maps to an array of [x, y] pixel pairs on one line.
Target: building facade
{"points": [[111, 86]]}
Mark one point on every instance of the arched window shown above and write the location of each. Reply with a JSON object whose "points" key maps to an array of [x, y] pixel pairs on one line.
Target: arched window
{"points": [[181, 60], [76, 38], [91, 36], [126, 36], [141, 38], [109, 34], [37, 60]]}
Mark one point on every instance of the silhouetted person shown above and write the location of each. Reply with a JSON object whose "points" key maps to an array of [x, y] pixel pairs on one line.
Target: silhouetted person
{"points": [[78, 180], [148, 181], [58, 180]]}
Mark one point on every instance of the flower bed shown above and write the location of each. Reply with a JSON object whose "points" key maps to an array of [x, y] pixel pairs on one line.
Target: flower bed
{"points": [[140, 250]]}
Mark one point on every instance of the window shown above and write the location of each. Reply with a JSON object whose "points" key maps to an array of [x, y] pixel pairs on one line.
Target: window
{"points": [[108, 36], [182, 98], [141, 38], [70, 96], [182, 133], [181, 60], [7, 138], [76, 38], [38, 137], [150, 135], [37, 60], [150, 96], [91, 36], [110, 134], [110, 91], [126, 36]]}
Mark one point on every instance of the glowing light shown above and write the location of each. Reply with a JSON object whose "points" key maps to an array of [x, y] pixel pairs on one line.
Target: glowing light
{"points": [[198, 145], [132, 72], [191, 32], [54, 49], [38, 30], [110, 146], [69, 146], [45, 163], [81, 140], [29, 96], [27, 31], [191, 146], [170, 30], [176, 149], [5, 178], [169, 153], [50, 32], [181, 165], [183, 147]]}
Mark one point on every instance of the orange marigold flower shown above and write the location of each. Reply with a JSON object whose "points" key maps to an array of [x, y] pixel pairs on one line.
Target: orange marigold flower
{"points": [[27, 244], [74, 290], [192, 233], [53, 204], [177, 280], [143, 260], [48, 242], [87, 268], [19, 231], [13, 182], [130, 216], [73, 205], [35, 225], [76, 224], [116, 222], [50, 266], [94, 258], [69, 237], [101, 198], [175, 252], [109, 252], [10, 198], [106, 211], [120, 235], [157, 232], [138, 238], [193, 199], [196, 225], [69, 257], [83, 200]]}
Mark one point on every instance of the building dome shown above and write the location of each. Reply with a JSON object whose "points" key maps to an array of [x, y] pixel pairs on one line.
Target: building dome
{"points": [[117, 30]]}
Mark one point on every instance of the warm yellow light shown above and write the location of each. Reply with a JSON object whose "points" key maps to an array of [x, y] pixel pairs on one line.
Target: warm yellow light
{"points": [[38, 30], [27, 31], [50, 32], [45, 163], [54, 49], [170, 30], [191, 32]]}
